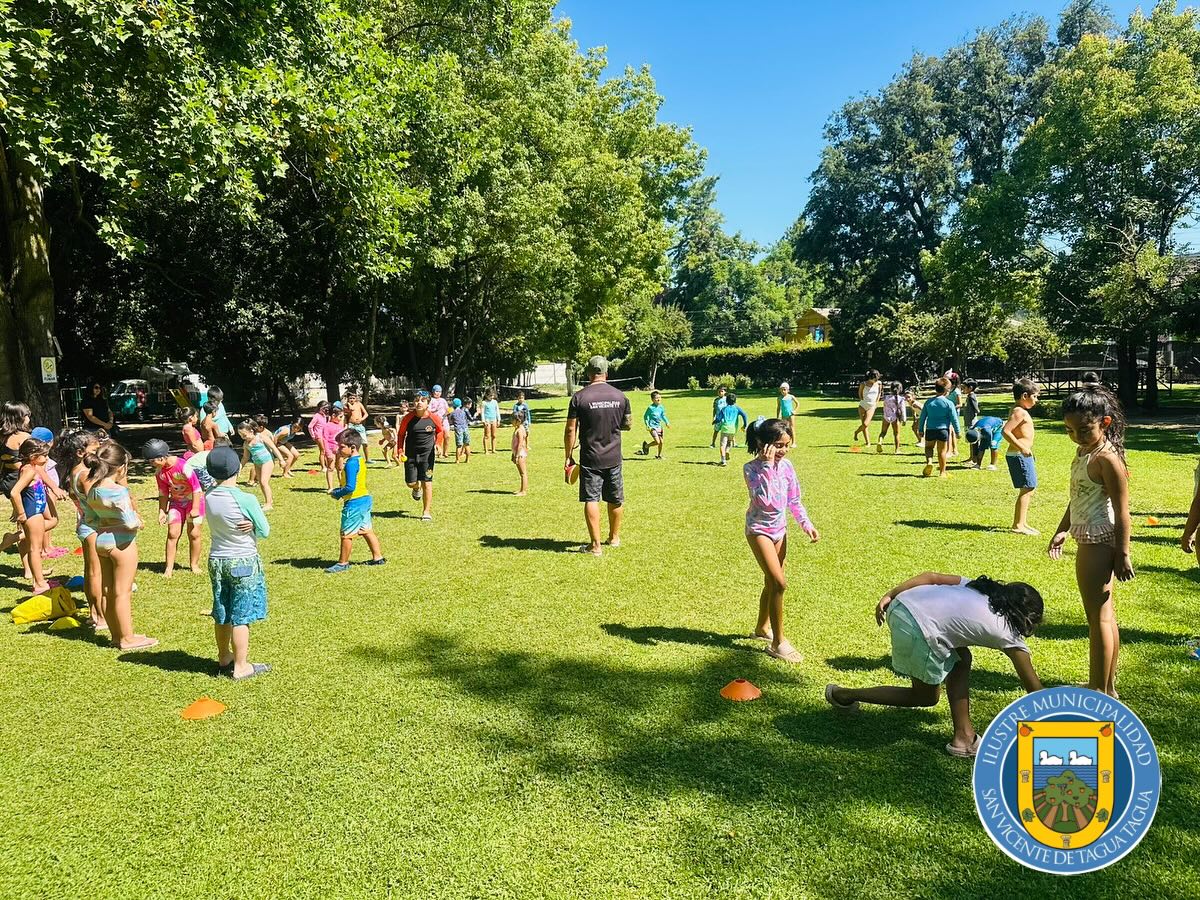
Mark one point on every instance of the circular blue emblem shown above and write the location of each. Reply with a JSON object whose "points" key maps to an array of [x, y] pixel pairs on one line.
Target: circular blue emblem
{"points": [[1067, 780]]}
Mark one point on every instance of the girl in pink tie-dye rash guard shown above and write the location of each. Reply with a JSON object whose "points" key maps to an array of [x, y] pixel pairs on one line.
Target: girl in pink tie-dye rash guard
{"points": [[774, 492]]}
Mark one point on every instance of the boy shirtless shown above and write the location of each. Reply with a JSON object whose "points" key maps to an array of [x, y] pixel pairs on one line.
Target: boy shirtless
{"points": [[1018, 431]]}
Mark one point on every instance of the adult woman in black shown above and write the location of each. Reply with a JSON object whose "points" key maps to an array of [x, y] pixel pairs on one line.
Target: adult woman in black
{"points": [[97, 414]]}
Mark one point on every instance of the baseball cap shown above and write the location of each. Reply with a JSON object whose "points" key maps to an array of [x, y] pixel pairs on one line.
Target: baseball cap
{"points": [[223, 463], [437, 387], [155, 449], [457, 403], [598, 365], [42, 433]]}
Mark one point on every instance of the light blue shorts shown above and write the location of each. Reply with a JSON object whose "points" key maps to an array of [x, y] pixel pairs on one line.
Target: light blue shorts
{"points": [[239, 590], [911, 653], [356, 516]]}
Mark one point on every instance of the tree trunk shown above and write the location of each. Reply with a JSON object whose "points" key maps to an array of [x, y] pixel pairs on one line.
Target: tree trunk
{"points": [[1151, 400], [26, 291], [331, 374], [653, 374], [1127, 371]]}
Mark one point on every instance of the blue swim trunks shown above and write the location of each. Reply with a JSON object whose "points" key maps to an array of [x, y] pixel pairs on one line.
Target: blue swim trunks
{"points": [[239, 590], [462, 437], [1022, 471], [356, 516]]}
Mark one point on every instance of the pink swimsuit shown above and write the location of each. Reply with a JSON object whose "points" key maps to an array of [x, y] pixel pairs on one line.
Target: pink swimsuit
{"points": [[774, 491]]}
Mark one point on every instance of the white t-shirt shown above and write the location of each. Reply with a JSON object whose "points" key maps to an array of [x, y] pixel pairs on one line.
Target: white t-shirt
{"points": [[954, 615]]}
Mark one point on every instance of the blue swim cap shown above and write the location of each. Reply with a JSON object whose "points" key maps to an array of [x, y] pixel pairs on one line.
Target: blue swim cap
{"points": [[437, 387], [42, 434], [457, 403]]}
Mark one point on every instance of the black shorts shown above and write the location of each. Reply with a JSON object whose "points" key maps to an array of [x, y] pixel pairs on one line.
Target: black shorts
{"points": [[601, 484], [419, 468], [937, 434]]}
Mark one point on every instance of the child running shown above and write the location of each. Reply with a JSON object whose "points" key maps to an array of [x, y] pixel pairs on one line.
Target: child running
{"points": [[718, 405], [774, 492], [387, 441], [728, 421], [868, 399], [894, 415], [239, 584], [258, 448], [934, 620], [655, 420], [419, 433], [33, 508], [180, 503], [282, 438], [939, 419], [1098, 518], [520, 451], [117, 523], [460, 421], [491, 421], [1022, 468], [356, 508]]}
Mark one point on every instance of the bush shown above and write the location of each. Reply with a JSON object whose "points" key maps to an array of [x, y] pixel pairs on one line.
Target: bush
{"points": [[715, 381], [743, 382], [802, 365], [693, 383]]}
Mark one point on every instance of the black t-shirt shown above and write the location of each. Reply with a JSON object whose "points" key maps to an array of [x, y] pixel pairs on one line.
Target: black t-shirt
{"points": [[600, 409], [970, 408], [420, 436], [99, 408]]}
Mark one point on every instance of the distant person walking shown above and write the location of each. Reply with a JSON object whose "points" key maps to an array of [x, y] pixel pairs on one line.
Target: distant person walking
{"points": [[596, 416]]}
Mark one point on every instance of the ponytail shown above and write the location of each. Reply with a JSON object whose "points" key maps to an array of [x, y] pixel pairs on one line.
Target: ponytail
{"points": [[69, 446], [1019, 604], [763, 432], [108, 458], [1093, 402]]}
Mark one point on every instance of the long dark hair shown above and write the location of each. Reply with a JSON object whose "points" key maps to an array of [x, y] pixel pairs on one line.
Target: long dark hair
{"points": [[12, 419], [1093, 402], [69, 447], [764, 432], [1018, 603], [104, 461]]}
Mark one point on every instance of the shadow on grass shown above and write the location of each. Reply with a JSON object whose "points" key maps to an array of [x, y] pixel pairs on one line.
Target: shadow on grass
{"points": [[948, 526], [1187, 571], [549, 545], [888, 475], [1066, 632], [172, 661], [651, 635], [394, 514], [490, 491], [982, 680], [310, 490], [306, 562], [1165, 540], [696, 462], [82, 635]]}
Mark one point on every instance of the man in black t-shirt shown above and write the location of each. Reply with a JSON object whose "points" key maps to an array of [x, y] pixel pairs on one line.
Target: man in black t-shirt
{"points": [[596, 416]]}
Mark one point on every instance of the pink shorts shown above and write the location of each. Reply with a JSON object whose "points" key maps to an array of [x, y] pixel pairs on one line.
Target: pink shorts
{"points": [[179, 510]]}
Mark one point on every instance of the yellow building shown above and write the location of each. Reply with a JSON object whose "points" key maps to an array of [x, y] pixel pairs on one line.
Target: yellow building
{"points": [[814, 325]]}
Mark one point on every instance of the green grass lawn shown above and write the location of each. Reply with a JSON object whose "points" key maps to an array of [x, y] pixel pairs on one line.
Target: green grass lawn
{"points": [[491, 715]]}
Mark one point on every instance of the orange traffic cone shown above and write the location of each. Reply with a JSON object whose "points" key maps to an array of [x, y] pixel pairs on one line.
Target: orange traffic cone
{"points": [[78, 551], [740, 689], [204, 708], [1150, 520]]}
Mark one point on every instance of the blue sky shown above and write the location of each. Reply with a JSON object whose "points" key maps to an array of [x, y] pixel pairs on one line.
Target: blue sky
{"points": [[757, 81]]}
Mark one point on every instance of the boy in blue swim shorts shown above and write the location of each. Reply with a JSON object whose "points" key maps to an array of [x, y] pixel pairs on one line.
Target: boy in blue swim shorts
{"points": [[356, 509], [1018, 431], [236, 523]]}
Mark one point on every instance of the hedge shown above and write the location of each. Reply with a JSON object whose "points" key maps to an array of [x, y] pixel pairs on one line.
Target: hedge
{"points": [[804, 366]]}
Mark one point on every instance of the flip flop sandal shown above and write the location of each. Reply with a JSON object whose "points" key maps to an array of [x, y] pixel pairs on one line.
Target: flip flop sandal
{"points": [[766, 638], [968, 753], [259, 669], [785, 652], [137, 648], [853, 704]]}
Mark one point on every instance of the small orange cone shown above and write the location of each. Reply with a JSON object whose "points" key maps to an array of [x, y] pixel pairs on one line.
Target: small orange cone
{"points": [[78, 551], [740, 689], [855, 449], [1150, 520], [203, 708], [314, 471]]}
